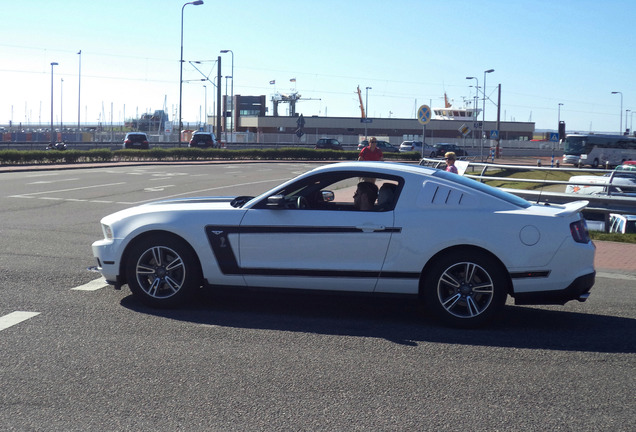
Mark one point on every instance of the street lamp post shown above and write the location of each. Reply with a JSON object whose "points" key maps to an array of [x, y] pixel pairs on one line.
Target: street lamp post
{"points": [[225, 108], [61, 103], [620, 131], [52, 125], [205, 107], [232, 97], [195, 3], [475, 118], [79, 88], [626, 123], [366, 111], [483, 113]]}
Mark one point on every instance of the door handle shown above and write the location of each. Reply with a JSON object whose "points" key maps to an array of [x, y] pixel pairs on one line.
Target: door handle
{"points": [[371, 228]]}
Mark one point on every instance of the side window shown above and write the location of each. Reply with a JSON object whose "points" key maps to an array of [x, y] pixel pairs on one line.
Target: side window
{"points": [[337, 193]]}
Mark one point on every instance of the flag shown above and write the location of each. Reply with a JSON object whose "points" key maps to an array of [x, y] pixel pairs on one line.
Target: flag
{"points": [[293, 80], [272, 82]]}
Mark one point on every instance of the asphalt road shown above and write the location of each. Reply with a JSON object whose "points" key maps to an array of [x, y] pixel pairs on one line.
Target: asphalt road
{"points": [[93, 359]]}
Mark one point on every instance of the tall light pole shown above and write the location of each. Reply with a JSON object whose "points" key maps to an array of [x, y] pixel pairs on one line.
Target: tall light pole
{"points": [[232, 97], [559, 115], [205, 107], [79, 88], [620, 131], [475, 118], [195, 3], [61, 103], [626, 113], [483, 113], [52, 125], [366, 112], [225, 108]]}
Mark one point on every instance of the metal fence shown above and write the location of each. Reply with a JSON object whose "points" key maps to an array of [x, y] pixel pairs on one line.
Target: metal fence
{"points": [[553, 191]]}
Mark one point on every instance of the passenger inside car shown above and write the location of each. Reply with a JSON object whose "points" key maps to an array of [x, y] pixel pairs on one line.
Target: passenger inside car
{"points": [[365, 196]]}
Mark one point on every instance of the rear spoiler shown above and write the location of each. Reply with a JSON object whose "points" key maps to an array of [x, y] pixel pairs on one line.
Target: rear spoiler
{"points": [[572, 207]]}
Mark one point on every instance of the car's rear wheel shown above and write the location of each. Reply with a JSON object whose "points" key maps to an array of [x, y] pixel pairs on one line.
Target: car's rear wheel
{"points": [[465, 289], [162, 271]]}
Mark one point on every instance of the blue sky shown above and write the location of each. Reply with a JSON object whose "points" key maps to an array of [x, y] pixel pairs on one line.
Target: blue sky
{"points": [[544, 52]]}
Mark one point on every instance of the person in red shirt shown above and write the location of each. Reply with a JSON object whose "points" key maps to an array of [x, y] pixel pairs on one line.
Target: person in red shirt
{"points": [[371, 152]]}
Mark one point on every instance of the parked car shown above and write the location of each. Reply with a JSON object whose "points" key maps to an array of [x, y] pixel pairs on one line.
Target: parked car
{"points": [[203, 140], [602, 185], [385, 146], [442, 148], [136, 140], [329, 144], [627, 169], [408, 146], [307, 234], [622, 223]]}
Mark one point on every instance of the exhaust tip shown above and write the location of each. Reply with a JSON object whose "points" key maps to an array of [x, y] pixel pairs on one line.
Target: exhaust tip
{"points": [[583, 297]]}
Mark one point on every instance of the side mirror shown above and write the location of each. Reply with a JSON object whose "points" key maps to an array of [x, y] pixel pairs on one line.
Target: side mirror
{"points": [[328, 196], [275, 201]]}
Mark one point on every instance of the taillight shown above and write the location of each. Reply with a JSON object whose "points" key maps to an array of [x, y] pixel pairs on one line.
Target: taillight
{"points": [[579, 231]]}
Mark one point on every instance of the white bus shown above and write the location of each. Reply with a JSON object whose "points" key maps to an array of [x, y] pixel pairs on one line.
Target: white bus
{"points": [[597, 150]]}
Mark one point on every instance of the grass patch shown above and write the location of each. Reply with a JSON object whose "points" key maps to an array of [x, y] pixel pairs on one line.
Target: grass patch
{"points": [[538, 175], [623, 238]]}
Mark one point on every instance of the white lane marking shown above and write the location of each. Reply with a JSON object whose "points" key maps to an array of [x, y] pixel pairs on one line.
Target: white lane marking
{"points": [[194, 193], [43, 175], [15, 318], [66, 190], [93, 285], [157, 188], [52, 181], [615, 276]]}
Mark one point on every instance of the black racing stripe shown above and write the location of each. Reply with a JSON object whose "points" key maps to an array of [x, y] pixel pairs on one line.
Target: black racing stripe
{"points": [[307, 230], [226, 258]]}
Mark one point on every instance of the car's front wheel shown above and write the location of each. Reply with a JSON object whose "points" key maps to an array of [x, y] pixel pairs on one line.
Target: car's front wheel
{"points": [[465, 289], [162, 271]]}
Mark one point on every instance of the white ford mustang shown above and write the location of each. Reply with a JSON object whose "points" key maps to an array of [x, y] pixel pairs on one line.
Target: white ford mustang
{"points": [[457, 244]]}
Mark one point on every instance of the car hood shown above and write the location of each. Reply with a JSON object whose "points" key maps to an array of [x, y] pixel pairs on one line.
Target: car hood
{"points": [[150, 211]]}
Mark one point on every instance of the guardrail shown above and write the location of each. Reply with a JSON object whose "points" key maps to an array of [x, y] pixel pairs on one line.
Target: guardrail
{"points": [[599, 204]]}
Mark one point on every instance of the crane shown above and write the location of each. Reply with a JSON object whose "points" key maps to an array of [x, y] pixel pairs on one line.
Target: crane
{"points": [[364, 115]]}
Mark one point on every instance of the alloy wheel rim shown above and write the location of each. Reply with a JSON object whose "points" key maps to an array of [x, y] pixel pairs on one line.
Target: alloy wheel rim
{"points": [[465, 290], [160, 272]]}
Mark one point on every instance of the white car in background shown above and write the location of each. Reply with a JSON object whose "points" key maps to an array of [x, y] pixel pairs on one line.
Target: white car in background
{"points": [[307, 234], [601, 185], [428, 150], [622, 223]]}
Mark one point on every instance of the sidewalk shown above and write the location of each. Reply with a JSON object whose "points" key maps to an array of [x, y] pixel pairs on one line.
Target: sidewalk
{"points": [[615, 257]]}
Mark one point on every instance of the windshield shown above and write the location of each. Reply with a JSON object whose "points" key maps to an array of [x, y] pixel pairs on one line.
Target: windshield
{"points": [[574, 145]]}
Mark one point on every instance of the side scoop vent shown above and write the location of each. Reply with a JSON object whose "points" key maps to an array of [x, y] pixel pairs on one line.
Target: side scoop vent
{"points": [[440, 195]]}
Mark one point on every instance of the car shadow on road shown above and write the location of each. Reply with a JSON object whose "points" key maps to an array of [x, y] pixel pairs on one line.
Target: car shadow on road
{"points": [[401, 320]]}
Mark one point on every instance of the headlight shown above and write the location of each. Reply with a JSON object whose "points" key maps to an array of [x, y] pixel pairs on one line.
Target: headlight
{"points": [[108, 232]]}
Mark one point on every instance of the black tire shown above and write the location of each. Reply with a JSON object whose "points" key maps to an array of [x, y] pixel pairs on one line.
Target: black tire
{"points": [[162, 271], [465, 289]]}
